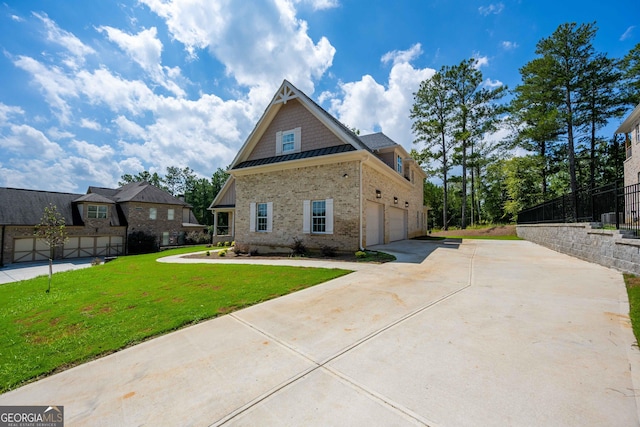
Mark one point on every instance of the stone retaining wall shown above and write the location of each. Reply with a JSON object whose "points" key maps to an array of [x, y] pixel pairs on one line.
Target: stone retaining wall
{"points": [[610, 248]]}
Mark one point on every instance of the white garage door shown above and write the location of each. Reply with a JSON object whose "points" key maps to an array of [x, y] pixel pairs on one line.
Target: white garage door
{"points": [[397, 224], [30, 249], [375, 224], [88, 246]]}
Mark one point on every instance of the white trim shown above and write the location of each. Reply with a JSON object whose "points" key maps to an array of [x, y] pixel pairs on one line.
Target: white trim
{"points": [[252, 217], [328, 216], [278, 143], [269, 217], [296, 141], [306, 216]]}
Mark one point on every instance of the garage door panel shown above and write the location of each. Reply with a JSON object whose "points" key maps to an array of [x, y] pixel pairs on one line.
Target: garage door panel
{"points": [[397, 224], [375, 224]]}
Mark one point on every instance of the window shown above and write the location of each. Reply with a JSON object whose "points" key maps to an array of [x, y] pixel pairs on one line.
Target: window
{"points": [[638, 132], [317, 216], [94, 211], [170, 214], [399, 164], [153, 213], [261, 217], [288, 141]]}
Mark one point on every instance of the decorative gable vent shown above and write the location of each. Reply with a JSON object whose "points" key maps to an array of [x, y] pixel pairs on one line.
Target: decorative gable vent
{"points": [[285, 94]]}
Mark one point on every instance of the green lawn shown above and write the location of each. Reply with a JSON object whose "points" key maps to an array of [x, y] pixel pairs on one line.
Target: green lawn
{"points": [[98, 310], [633, 290]]}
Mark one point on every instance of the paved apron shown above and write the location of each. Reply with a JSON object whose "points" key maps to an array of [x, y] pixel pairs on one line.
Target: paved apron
{"points": [[483, 333]]}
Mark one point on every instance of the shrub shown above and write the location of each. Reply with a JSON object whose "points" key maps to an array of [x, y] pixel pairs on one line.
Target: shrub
{"points": [[196, 238], [222, 253], [253, 252], [96, 261], [219, 244], [361, 254], [208, 253], [329, 251], [233, 243], [226, 243], [298, 247]]}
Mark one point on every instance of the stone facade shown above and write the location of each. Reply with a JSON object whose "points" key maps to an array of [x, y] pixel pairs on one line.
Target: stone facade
{"points": [[138, 218], [610, 248], [287, 189]]}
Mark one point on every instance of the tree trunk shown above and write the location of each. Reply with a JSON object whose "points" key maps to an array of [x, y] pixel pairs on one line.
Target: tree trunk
{"points": [[445, 165], [463, 220], [572, 154]]}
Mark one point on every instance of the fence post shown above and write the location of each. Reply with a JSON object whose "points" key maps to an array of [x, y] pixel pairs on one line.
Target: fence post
{"points": [[617, 211]]}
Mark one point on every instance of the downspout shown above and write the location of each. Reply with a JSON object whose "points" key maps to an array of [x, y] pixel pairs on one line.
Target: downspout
{"points": [[361, 196]]}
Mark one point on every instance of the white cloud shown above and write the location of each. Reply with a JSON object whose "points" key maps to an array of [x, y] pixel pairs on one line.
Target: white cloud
{"points": [[17, 18], [400, 56], [628, 33], [65, 39], [92, 152], [146, 50], [56, 133], [321, 4], [7, 111], [260, 44], [30, 142], [507, 45], [90, 124], [494, 8], [481, 61], [370, 106], [492, 83], [53, 82]]}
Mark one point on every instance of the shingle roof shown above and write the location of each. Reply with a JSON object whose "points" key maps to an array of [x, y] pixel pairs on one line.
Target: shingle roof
{"points": [[93, 197], [26, 207], [138, 192], [296, 156], [376, 141]]}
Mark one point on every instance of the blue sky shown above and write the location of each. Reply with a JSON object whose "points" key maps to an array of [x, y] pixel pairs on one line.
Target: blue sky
{"points": [[93, 90]]}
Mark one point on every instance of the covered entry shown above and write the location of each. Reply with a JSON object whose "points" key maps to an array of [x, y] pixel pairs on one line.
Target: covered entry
{"points": [[375, 224], [397, 224]]}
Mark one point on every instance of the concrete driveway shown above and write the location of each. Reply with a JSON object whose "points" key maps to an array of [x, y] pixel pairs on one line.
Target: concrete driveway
{"points": [[479, 333]]}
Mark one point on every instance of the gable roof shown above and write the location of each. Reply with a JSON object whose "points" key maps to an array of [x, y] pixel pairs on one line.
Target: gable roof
{"points": [[138, 192], [93, 197], [285, 93], [26, 207], [627, 125], [376, 141]]}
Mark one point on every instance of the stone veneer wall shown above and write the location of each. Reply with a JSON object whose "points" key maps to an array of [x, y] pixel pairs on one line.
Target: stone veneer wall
{"points": [[287, 189], [610, 248], [137, 215]]}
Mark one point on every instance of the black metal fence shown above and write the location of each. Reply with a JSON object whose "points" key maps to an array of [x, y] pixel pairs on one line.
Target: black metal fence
{"points": [[611, 205]]}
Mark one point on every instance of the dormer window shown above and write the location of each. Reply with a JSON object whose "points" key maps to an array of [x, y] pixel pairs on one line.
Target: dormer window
{"points": [[96, 212], [288, 141], [399, 164]]}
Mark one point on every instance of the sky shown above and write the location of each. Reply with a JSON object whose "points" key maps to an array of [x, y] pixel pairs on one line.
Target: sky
{"points": [[92, 90]]}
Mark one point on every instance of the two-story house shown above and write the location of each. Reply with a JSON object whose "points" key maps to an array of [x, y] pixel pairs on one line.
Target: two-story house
{"points": [[301, 174], [97, 223]]}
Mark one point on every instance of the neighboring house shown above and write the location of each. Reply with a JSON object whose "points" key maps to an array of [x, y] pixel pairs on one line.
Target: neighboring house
{"points": [[97, 223], [302, 174], [631, 129]]}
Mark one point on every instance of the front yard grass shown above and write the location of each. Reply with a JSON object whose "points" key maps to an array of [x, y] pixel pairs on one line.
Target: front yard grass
{"points": [[633, 290], [102, 309]]}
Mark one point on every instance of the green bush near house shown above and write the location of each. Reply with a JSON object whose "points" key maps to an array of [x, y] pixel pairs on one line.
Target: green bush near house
{"points": [[102, 309]]}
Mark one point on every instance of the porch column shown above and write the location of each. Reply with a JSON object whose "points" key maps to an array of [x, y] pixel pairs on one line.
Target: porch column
{"points": [[215, 223]]}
